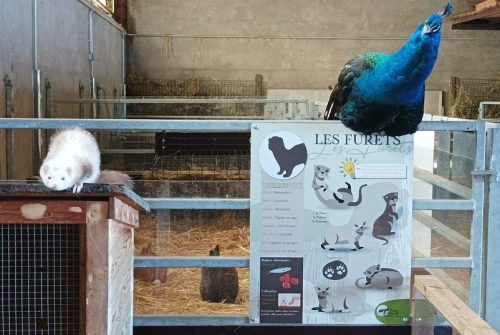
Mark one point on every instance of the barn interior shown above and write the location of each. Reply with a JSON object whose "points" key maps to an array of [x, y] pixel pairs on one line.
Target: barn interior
{"points": [[234, 60]]}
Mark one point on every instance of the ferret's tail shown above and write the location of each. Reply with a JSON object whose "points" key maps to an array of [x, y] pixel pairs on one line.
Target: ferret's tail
{"points": [[115, 177], [381, 238]]}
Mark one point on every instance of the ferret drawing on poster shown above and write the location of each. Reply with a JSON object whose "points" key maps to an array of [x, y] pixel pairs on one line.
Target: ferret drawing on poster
{"points": [[320, 174], [74, 159], [287, 159], [342, 198], [343, 238], [380, 278], [344, 303], [383, 224]]}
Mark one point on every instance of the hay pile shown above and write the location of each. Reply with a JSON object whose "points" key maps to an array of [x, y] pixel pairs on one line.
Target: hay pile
{"points": [[467, 101], [196, 174], [180, 293]]}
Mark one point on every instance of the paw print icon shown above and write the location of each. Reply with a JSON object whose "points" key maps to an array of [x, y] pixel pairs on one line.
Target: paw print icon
{"points": [[335, 270]]}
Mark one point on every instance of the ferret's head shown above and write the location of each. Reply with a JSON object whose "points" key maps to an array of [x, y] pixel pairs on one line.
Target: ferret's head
{"points": [[322, 293], [58, 177]]}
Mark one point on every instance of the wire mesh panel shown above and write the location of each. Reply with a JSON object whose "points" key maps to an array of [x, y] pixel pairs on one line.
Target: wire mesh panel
{"points": [[142, 86], [468, 93], [40, 269], [195, 87]]}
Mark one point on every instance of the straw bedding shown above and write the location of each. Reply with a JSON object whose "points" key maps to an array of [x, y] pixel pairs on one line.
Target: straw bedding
{"points": [[179, 293]]}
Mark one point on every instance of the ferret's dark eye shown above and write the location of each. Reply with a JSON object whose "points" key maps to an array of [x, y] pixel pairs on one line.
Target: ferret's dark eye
{"points": [[63, 178], [49, 177]]}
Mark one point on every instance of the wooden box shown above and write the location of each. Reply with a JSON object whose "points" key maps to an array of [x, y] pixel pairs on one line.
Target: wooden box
{"points": [[66, 260]]}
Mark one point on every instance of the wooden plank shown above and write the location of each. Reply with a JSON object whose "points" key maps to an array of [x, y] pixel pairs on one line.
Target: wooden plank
{"points": [[443, 230], [487, 13], [96, 267], [444, 183], [486, 4], [119, 210], [454, 310], [121, 276], [32, 212]]}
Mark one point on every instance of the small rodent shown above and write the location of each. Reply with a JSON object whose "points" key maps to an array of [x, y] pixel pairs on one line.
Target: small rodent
{"points": [[219, 284], [73, 159]]}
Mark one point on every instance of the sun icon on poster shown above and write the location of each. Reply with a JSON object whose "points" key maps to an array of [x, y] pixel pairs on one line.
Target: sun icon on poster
{"points": [[348, 167]]}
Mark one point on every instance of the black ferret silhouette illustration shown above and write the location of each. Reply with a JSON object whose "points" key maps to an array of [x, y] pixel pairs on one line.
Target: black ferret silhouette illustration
{"points": [[342, 198], [380, 278], [287, 159], [218, 284], [383, 224]]}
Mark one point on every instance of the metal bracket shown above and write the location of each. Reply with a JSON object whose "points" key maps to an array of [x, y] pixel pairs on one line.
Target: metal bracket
{"points": [[482, 172], [485, 173]]}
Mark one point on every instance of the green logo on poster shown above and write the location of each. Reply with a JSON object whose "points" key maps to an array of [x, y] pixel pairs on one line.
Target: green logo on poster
{"points": [[393, 312]]}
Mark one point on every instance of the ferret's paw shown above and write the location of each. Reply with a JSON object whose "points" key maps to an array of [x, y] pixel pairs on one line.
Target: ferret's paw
{"points": [[77, 188]]}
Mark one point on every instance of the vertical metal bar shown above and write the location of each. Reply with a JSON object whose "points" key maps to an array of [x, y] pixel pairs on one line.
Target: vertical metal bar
{"points": [[93, 88], [124, 106], [81, 95], [477, 283], [38, 114], [35, 34], [49, 100], [9, 133], [309, 105], [492, 305], [37, 95], [316, 111], [124, 76], [295, 111], [49, 110]]}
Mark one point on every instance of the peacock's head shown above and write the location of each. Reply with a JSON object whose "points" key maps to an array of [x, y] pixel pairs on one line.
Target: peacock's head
{"points": [[433, 23]]}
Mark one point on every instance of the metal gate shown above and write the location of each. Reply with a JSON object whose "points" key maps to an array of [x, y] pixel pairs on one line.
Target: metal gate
{"points": [[482, 294]]}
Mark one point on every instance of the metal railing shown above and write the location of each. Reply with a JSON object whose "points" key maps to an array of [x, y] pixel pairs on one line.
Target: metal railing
{"points": [[269, 109], [475, 204]]}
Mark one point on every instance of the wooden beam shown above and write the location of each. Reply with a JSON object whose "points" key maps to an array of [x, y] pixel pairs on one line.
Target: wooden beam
{"points": [[486, 4], [444, 183], [43, 211], [488, 12], [454, 310], [443, 230]]}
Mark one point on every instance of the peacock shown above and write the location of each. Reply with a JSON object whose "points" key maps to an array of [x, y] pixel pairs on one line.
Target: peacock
{"points": [[384, 93]]}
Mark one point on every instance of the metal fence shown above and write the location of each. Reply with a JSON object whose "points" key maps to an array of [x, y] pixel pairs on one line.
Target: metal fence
{"points": [[476, 204], [137, 151]]}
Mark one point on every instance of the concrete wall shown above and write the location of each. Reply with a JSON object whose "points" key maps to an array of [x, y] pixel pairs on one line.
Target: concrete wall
{"points": [[63, 60], [295, 44]]}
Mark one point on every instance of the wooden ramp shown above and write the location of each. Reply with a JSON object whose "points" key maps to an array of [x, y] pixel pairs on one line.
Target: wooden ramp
{"points": [[459, 315]]}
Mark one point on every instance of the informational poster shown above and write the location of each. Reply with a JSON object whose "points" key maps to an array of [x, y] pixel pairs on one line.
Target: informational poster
{"points": [[330, 225]]}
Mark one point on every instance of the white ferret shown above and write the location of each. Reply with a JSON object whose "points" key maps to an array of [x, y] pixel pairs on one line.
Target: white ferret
{"points": [[74, 159]]}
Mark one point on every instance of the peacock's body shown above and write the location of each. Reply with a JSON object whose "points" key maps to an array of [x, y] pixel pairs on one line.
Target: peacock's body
{"points": [[385, 92]]}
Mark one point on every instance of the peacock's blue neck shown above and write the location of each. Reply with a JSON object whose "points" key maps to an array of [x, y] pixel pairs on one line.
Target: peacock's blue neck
{"points": [[415, 60], [403, 74]]}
